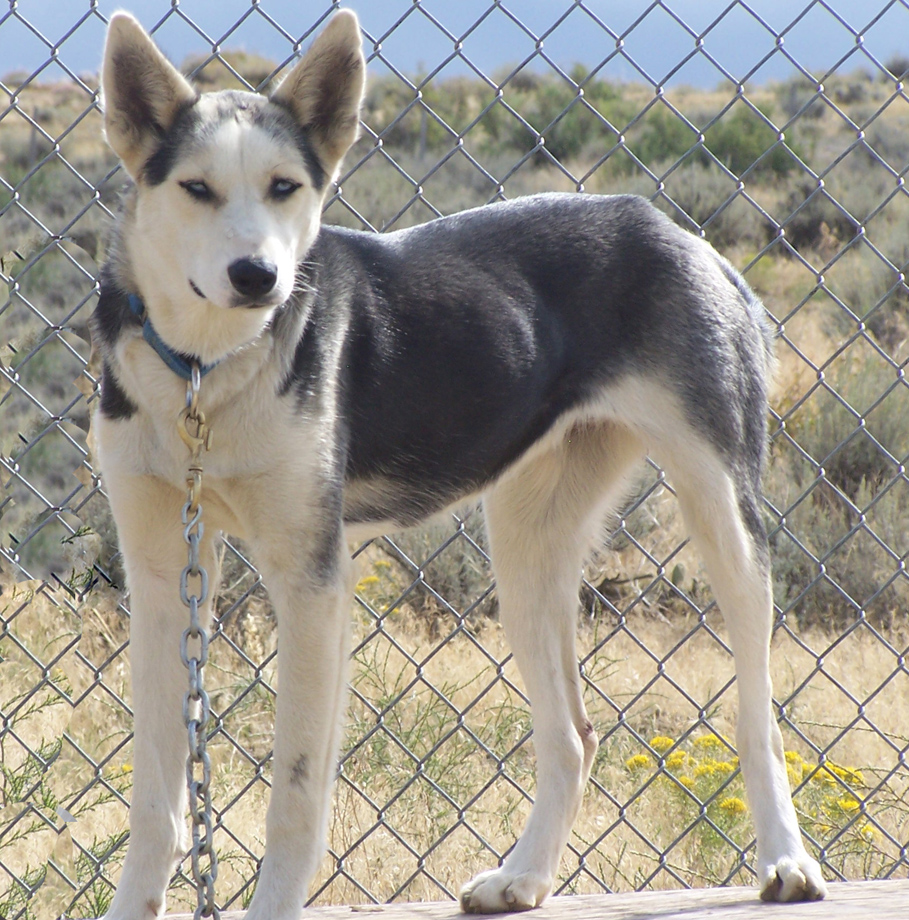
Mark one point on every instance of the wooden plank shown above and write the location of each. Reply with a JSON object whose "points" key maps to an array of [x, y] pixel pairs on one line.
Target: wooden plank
{"points": [[880, 900]]}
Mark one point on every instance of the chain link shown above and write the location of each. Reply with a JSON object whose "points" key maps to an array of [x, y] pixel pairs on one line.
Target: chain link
{"points": [[196, 705]]}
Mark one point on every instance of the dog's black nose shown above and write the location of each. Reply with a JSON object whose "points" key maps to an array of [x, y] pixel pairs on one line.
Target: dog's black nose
{"points": [[253, 277]]}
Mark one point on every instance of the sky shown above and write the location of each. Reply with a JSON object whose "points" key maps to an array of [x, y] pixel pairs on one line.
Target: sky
{"points": [[741, 42]]}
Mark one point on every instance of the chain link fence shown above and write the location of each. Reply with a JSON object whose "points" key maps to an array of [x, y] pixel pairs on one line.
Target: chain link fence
{"points": [[800, 180]]}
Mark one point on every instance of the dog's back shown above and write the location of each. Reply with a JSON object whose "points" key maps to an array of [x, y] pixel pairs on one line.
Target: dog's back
{"points": [[504, 320]]}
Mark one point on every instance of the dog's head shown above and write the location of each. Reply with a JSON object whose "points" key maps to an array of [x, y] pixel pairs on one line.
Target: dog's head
{"points": [[229, 185]]}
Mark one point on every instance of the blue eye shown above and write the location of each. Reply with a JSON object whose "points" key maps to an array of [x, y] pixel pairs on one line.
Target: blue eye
{"points": [[282, 188], [198, 189]]}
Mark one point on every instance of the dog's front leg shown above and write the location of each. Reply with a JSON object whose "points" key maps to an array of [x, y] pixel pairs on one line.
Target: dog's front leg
{"points": [[312, 602], [151, 537]]}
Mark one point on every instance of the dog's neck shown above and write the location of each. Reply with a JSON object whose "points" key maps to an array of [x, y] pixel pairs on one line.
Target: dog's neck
{"points": [[180, 364]]}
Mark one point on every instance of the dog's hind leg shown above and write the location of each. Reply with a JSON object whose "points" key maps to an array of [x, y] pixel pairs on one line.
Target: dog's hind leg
{"points": [[541, 520], [722, 513], [151, 537]]}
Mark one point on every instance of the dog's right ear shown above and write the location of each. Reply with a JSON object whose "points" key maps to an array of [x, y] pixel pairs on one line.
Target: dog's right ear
{"points": [[143, 92]]}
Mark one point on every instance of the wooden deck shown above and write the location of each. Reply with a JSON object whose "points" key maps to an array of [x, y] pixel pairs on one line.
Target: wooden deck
{"points": [[887, 900]]}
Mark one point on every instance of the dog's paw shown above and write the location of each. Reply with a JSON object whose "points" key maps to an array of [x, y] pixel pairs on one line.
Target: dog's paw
{"points": [[792, 879], [498, 891], [151, 910]]}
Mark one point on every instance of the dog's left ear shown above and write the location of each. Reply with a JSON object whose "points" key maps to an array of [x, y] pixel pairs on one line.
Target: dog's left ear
{"points": [[325, 89]]}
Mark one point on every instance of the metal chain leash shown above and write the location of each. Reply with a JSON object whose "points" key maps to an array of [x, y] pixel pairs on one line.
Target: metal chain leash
{"points": [[196, 706]]}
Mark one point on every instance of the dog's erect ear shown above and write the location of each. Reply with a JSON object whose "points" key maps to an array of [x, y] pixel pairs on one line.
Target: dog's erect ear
{"points": [[325, 89], [142, 90]]}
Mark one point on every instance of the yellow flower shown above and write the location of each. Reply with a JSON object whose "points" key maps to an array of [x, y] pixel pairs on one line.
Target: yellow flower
{"points": [[638, 762], [824, 775], [709, 741], [686, 781], [676, 760], [661, 743], [367, 582], [733, 806], [848, 775], [705, 768], [723, 766], [832, 772], [793, 758], [113, 772], [848, 803]]}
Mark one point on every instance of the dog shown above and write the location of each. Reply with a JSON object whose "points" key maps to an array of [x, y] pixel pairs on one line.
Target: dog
{"points": [[528, 352]]}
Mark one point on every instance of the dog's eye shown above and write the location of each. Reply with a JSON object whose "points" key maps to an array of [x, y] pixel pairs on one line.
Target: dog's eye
{"points": [[282, 188], [198, 189]]}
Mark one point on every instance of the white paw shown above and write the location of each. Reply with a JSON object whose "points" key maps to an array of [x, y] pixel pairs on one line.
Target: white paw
{"points": [[151, 910], [498, 891], [792, 879]]}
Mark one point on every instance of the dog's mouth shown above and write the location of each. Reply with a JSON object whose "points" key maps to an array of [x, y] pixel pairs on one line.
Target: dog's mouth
{"points": [[247, 303], [241, 302]]}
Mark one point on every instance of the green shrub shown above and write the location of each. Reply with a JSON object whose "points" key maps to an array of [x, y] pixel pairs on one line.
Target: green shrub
{"points": [[440, 568], [850, 424], [807, 210], [831, 558], [710, 199], [551, 107], [742, 139], [662, 137]]}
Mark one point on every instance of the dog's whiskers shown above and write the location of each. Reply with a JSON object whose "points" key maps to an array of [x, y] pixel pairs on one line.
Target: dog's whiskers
{"points": [[302, 284]]}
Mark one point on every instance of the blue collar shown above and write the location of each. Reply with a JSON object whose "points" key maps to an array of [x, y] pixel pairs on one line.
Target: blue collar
{"points": [[180, 364]]}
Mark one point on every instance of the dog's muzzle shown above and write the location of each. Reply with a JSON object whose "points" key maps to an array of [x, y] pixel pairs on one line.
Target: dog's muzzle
{"points": [[253, 279]]}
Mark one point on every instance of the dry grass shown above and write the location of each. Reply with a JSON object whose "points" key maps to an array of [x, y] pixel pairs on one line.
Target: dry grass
{"points": [[437, 776]]}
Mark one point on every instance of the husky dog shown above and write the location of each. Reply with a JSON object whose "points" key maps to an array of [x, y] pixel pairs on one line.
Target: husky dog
{"points": [[530, 352]]}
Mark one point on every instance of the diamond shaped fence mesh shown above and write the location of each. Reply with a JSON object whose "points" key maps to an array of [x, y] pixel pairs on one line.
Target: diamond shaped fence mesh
{"points": [[800, 180]]}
